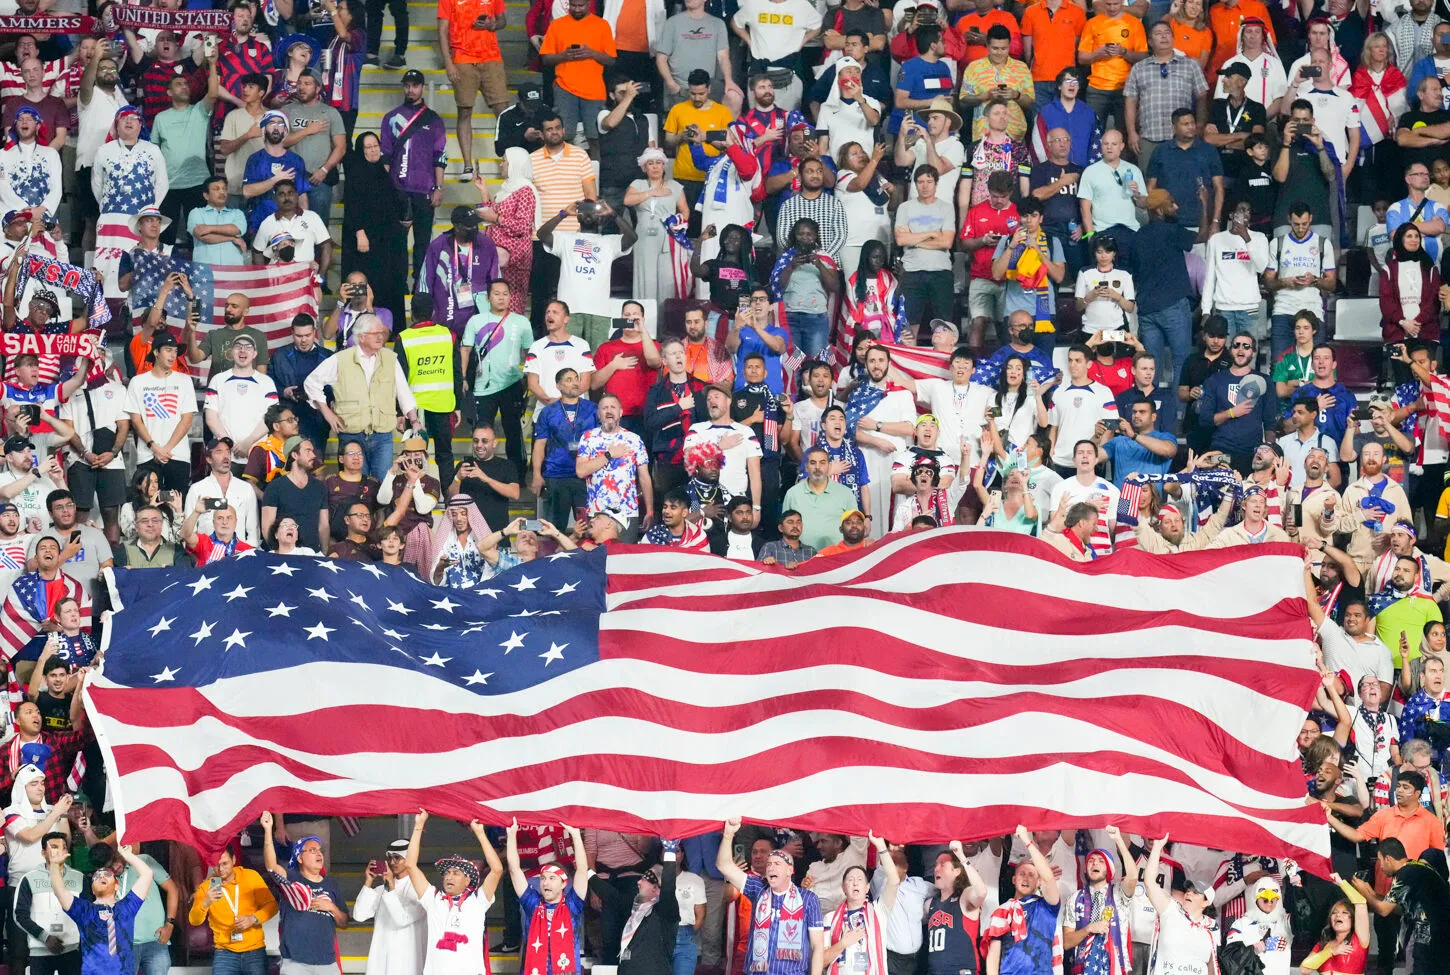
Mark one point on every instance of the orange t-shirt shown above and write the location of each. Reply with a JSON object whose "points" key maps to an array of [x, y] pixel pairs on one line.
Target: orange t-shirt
{"points": [[1419, 831], [1110, 74], [1224, 20], [984, 23], [631, 31], [585, 78], [1190, 41], [471, 46], [1054, 37]]}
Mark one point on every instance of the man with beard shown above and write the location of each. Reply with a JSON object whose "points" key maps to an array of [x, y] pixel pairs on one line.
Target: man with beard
{"points": [[614, 465], [1402, 609], [414, 140], [1315, 502], [1366, 503], [787, 932], [882, 416], [552, 936], [675, 527], [23, 484], [853, 535], [1397, 539], [1239, 414], [1172, 534], [740, 473], [216, 344], [706, 358], [647, 945], [270, 165], [14, 540], [1095, 929], [97, 102], [459, 265]]}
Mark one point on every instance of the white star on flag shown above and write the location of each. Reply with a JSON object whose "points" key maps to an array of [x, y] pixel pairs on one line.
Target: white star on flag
{"points": [[514, 642], [477, 678], [163, 624], [202, 633], [318, 632], [285, 569], [394, 634], [203, 583], [166, 674], [237, 639], [239, 593], [329, 565], [322, 594], [281, 609], [399, 608], [524, 583], [371, 570], [555, 652], [445, 604], [435, 660], [566, 588]]}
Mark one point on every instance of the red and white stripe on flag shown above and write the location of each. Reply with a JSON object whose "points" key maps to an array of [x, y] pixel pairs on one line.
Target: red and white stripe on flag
{"points": [[915, 361], [277, 292], [930, 686]]}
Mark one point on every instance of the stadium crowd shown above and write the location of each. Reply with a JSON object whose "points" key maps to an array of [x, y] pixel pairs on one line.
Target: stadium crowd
{"points": [[767, 278]]}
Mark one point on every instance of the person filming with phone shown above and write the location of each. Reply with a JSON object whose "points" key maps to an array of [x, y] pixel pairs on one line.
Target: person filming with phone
{"points": [[235, 902], [355, 299]]}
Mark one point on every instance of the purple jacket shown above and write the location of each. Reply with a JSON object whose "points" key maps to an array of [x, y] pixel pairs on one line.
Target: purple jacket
{"points": [[439, 277], [411, 159]]}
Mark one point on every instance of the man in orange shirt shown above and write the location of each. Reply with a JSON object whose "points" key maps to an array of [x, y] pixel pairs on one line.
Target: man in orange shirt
{"points": [[1407, 821], [1224, 19], [1050, 31], [1112, 42], [468, 45], [853, 534], [579, 47], [974, 26]]}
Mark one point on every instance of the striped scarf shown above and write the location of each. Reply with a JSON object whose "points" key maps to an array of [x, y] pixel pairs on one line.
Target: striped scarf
{"points": [[1030, 272], [790, 922]]}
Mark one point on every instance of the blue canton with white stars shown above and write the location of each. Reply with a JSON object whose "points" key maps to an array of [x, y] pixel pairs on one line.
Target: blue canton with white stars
{"points": [[257, 612], [149, 270]]}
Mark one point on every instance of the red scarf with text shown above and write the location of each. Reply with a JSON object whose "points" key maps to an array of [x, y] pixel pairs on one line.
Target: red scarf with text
{"points": [[549, 946]]}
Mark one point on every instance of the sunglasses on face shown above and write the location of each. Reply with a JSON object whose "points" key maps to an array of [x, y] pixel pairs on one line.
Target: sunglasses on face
{"points": [[1243, 345]]}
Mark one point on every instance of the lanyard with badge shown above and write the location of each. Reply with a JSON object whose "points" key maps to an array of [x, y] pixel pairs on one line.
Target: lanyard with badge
{"points": [[236, 906], [463, 274]]}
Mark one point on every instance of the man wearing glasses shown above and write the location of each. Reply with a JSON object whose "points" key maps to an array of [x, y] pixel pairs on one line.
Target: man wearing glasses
{"points": [[1239, 404], [1157, 87]]}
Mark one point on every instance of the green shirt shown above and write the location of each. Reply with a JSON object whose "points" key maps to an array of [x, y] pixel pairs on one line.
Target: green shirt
{"points": [[1406, 616], [153, 910], [498, 361], [820, 513], [180, 133]]}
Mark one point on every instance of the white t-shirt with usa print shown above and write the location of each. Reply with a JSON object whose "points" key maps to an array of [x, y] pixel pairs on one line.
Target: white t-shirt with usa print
{"points": [[161, 401]]}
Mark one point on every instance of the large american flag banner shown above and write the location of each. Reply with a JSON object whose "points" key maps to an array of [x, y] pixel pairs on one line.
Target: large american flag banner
{"points": [[938, 685], [277, 292]]}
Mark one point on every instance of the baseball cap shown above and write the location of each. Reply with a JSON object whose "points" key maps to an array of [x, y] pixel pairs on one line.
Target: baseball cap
{"points": [[8, 506], [161, 340], [18, 442], [615, 515], [245, 339], [415, 443], [1237, 68], [13, 215], [414, 77], [464, 215], [228, 441], [852, 511]]}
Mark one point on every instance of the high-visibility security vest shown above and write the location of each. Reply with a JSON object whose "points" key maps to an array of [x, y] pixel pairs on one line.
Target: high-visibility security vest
{"points": [[429, 351]]}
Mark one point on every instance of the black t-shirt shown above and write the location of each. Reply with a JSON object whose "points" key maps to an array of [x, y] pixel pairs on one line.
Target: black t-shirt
{"points": [[54, 711], [1061, 208], [620, 147], [494, 506], [1256, 184], [301, 504], [1227, 119], [1305, 184], [1425, 901], [1195, 373], [729, 283], [1414, 119]]}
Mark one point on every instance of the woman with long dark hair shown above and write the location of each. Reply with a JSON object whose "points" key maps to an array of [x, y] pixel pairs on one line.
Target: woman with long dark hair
{"points": [[373, 238], [864, 194], [146, 490], [1017, 403], [1343, 946], [873, 296], [1410, 290], [730, 274]]}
